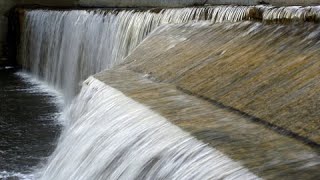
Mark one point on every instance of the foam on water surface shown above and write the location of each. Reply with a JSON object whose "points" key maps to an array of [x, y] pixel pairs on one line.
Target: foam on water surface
{"points": [[14, 175]]}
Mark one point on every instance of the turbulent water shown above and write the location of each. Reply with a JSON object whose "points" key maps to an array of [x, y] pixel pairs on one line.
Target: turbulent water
{"points": [[65, 47], [110, 136], [28, 126]]}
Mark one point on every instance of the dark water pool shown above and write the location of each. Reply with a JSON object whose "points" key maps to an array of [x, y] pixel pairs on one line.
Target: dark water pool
{"points": [[28, 124]]}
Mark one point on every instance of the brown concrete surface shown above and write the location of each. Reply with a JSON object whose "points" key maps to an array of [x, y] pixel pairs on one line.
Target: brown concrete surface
{"points": [[264, 152], [268, 72]]}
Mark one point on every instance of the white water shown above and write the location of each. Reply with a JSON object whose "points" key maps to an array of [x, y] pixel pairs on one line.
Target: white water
{"points": [[110, 136], [65, 47], [291, 13], [10, 175], [120, 139], [107, 135]]}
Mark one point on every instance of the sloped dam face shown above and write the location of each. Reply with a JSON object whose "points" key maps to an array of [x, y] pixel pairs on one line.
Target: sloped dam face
{"points": [[215, 92]]}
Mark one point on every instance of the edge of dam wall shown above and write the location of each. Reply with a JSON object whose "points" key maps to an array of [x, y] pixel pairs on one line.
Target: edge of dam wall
{"points": [[179, 3], [5, 6]]}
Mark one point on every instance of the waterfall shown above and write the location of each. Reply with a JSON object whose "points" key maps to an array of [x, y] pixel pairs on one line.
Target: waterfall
{"points": [[65, 47], [110, 136], [291, 13]]}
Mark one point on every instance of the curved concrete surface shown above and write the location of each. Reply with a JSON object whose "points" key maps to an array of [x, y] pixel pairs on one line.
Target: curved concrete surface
{"points": [[268, 72], [263, 151]]}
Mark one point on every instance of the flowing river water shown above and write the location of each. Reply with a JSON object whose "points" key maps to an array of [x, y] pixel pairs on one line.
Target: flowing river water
{"points": [[29, 123], [106, 135]]}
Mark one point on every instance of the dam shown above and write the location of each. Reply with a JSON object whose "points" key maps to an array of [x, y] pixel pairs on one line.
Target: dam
{"points": [[161, 90]]}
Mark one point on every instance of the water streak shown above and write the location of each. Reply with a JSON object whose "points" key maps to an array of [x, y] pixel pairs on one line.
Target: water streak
{"points": [[110, 136]]}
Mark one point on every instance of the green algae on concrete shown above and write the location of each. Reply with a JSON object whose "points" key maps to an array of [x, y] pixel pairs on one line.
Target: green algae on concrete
{"points": [[269, 72]]}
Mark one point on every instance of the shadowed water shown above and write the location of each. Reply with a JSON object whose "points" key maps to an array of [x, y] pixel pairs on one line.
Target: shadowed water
{"points": [[28, 126]]}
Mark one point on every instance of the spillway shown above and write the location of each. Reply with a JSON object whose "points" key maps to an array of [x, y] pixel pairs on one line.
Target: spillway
{"points": [[65, 47], [166, 104]]}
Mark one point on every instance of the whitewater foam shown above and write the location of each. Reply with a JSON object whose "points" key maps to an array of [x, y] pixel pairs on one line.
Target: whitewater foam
{"points": [[4, 175]]}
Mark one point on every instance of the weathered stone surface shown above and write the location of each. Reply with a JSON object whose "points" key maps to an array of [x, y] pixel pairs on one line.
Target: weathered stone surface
{"points": [[264, 152], [270, 72]]}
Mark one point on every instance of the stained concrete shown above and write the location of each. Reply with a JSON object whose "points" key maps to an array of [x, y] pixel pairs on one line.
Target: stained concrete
{"points": [[265, 152], [268, 72], [244, 88]]}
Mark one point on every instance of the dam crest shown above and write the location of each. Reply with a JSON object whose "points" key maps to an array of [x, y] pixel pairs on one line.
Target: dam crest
{"points": [[180, 93]]}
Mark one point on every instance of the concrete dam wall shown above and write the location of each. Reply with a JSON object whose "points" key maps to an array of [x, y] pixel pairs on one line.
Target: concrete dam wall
{"points": [[182, 3], [199, 92], [6, 5]]}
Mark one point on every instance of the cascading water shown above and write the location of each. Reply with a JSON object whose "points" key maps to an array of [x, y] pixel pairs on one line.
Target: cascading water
{"points": [[110, 136], [65, 47], [291, 13]]}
